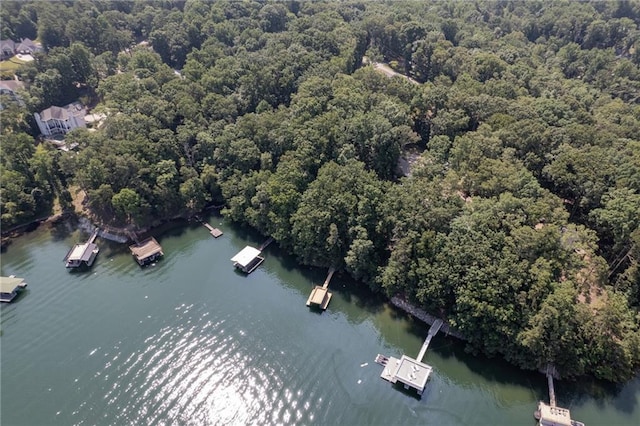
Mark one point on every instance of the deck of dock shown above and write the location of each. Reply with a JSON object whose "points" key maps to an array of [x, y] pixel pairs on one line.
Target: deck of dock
{"points": [[215, 232], [320, 295], [433, 330]]}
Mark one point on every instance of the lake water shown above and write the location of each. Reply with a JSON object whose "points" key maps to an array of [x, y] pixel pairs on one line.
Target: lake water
{"points": [[190, 341]]}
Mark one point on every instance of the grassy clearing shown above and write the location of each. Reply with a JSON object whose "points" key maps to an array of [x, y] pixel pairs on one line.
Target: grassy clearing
{"points": [[10, 66]]}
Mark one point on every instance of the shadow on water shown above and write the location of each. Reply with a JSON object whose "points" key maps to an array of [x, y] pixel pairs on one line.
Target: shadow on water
{"points": [[22, 294], [65, 228], [411, 393], [584, 390]]}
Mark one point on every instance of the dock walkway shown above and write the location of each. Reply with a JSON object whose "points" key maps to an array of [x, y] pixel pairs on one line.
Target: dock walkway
{"points": [[552, 391], [215, 232], [424, 316], [266, 243], [93, 236], [332, 270]]}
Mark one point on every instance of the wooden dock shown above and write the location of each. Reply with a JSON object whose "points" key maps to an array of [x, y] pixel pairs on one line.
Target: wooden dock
{"points": [[215, 232], [320, 295], [147, 251]]}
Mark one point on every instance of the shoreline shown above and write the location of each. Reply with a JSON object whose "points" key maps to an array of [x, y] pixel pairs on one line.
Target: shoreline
{"points": [[424, 316], [125, 236]]}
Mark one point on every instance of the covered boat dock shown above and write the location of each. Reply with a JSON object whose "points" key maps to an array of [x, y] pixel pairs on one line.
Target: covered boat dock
{"points": [[147, 251], [9, 288], [81, 255], [411, 372], [248, 259]]}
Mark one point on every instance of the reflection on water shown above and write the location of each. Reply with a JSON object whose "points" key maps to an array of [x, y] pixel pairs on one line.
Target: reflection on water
{"points": [[189, 341]]}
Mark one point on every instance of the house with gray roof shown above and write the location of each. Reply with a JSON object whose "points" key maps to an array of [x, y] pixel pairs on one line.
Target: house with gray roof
{"points": [[27, 47], [7, 49], [10, 88], [57, 120]]}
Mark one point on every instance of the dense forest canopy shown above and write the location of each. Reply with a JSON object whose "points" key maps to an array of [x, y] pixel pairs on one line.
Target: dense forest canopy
{"points": [[519, 221]]}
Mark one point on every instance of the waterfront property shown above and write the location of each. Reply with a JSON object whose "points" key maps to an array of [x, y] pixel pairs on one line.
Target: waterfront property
{"points": [[248, 259], [147, 251], [57, 120], [9, 288], [411, 372], [82, 254]]}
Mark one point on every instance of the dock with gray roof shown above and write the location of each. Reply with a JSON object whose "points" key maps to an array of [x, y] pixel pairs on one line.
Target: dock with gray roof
{"points": [[83, 255], [411, 372]]}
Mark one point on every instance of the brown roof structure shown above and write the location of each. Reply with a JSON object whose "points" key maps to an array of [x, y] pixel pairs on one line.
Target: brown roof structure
{"points": [[146, 251]]}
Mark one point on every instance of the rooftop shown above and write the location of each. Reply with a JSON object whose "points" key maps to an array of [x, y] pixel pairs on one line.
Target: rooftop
{"points": [[146, 248], [63, 113], [9, 284], [27, 43], [554, 416], [82, 252], [412, 372], [246, 256], [8, 43]]}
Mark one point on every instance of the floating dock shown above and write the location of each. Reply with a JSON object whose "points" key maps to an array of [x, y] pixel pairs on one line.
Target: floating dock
{"points": [[83, 254], [248, 259], [411, 372], [320, 295], [215, 232], [147, 251], [9, 288]]}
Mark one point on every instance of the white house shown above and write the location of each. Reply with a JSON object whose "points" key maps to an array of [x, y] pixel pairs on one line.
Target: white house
{"points": [[57, 120]]}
